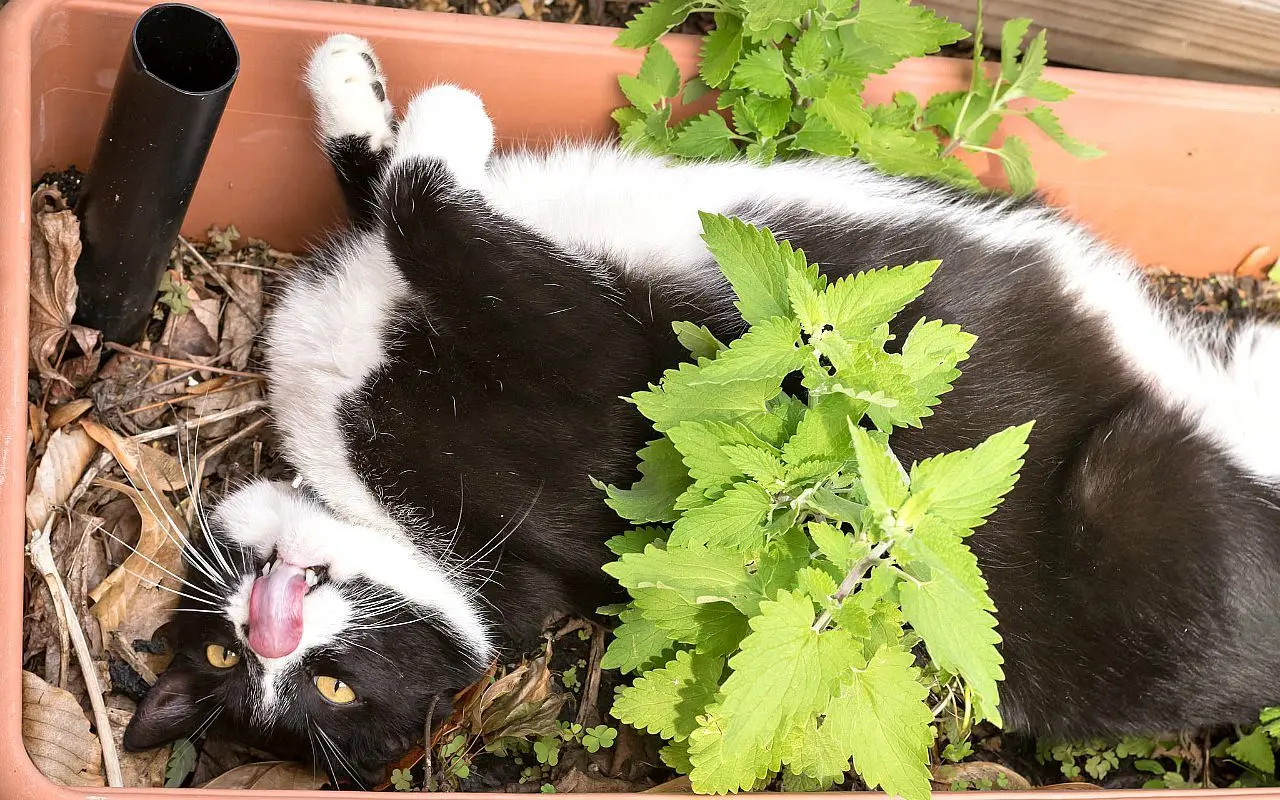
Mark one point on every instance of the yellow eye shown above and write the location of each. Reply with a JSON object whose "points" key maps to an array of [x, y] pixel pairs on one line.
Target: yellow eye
{"points": [[221, 657], [334, 690]]}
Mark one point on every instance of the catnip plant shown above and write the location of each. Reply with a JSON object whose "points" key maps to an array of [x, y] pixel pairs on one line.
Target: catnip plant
{"points": [[785, 564], [791, 75]]}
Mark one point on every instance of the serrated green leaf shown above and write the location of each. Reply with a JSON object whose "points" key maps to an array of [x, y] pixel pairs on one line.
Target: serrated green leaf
{"points": [[627, 115], [860, 57], [181, 763], [833, 506], [834, 544], [676, 756], [697, 339], [903, 29], [809, 53], [639, 93], [881, 719], [776, 566], [1048, 91], [702, 446], [762, 71], [668, 701], [881, 478], [815, 583], [636, 643], [783, 674], [770, 18], [842, 108], [652, 498], [694, 89], [705, 136], [1047, 121], [954, 621], [1029, 69], [755, 264], [684, 397], [930, 355], [858, 305], [654, 19], [720, 50], [659, 70], [1254, 751], [734, 522], [1011, 36], [635, 540], [966, 486], [698, 574], [821, 137], [943, 112], [824, 432], [758, 463], [712, 628], [769, 115], [762, 152], [899, 151], [806, 303], [1015, 157]]}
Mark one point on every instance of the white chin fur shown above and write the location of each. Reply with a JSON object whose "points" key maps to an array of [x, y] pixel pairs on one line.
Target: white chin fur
{"points": [[271, 517]]}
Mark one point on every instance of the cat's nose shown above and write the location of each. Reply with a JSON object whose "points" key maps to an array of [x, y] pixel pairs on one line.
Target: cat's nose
{"points": [[275, 609]]}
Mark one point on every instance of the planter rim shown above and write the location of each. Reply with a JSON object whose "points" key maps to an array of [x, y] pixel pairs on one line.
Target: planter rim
{"points": [[18, 775]]}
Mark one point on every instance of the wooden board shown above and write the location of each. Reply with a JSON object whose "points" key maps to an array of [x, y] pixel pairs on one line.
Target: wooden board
{"points": [[1234, 41]]}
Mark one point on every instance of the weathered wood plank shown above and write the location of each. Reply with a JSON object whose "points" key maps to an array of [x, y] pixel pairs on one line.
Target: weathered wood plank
{"points": [[1233, 41]]}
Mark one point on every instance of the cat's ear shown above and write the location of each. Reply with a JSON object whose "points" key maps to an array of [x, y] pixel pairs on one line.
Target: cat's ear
{"points": [[168, 711]]}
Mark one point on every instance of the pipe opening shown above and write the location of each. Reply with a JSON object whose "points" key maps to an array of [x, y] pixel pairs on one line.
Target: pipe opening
{"points": [[185, 48]]}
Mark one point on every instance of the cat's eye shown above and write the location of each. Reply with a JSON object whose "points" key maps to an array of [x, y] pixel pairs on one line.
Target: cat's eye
{"points": [[221, 657], [334, 690]]}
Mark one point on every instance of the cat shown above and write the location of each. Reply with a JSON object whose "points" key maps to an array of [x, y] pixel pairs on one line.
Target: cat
{"points": [[446, 375]]}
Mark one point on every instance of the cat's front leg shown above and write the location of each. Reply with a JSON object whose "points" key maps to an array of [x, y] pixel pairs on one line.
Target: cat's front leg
{"points": [[354, 118]]}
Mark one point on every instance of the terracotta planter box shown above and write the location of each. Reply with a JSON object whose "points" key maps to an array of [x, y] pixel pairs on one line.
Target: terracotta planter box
{"points": [[1189, 182]]}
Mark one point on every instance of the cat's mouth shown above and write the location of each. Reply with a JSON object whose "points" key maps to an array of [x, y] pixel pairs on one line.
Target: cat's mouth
{"points": [[275, 606]]}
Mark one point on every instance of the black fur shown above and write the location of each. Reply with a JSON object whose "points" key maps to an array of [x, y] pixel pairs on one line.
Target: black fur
{"points": [[1133, 566]]}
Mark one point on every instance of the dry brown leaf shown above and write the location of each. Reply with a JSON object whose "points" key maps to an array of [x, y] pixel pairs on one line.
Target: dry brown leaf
{"points": [[194, 335], [57, 736], [130, 600], [55, 247], [578, 782], [240, 325], [149, 469], [69, 412], [976, 773], [65, 459], [37, 424], [277, 775], [141, 770], [519, 704], [677, 785]]}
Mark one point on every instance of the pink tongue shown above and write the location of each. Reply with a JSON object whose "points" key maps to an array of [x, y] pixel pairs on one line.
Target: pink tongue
{"points": [[275, 610]]}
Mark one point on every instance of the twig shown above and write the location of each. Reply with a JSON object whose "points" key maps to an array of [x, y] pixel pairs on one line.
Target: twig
{"points": [[177, 362], [116, 644], [99, 464], [428, 779], [178, 398], [40, 552], [232, 292], [852, 580], [169, 430], [224, 444], [591, 692]]}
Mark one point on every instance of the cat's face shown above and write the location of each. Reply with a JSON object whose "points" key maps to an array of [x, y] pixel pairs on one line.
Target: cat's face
{"points": [[310, 637]]}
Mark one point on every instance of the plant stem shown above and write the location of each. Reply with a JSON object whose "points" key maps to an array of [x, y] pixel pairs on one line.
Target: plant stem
{"points": [[851, 581]]}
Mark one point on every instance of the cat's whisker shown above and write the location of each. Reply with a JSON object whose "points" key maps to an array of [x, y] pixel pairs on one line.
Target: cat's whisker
{"points": [[173, 531], [193, 486], [169, 589], [337, 753], [160, 567]]}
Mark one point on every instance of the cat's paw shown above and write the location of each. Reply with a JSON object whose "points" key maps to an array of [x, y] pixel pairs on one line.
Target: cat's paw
{"points": [[349, 92], [448, 124]]}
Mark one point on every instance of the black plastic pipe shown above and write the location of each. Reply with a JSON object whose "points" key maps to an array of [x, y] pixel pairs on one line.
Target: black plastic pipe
{"points": [[166, 105]]}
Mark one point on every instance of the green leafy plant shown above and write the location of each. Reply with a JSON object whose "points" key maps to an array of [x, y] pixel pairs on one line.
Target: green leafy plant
{"points": [[182, 761], [174, 293], [402, 780], [787, 563], [791, 74], [601, 737], [547, 750]]}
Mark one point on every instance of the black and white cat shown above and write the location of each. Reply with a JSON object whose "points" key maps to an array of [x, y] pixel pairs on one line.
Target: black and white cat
{"points": [[446, 376]]}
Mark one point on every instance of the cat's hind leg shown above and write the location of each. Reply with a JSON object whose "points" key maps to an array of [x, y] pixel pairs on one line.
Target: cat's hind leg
{"points": [[449, 126], [354, 118]]}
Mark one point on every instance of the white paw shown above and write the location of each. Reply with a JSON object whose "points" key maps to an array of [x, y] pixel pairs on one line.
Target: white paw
{"points": [[449, 124], [349, 91]]}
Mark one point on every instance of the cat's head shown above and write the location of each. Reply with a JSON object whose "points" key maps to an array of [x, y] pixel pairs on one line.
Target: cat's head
{"points": [[311, 637]]}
